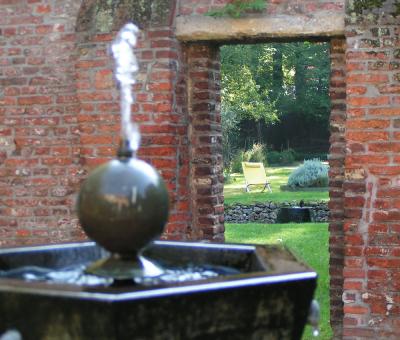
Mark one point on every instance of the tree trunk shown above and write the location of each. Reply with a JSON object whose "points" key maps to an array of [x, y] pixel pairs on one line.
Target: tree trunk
{"points": [[277, 72], [300, 80]]}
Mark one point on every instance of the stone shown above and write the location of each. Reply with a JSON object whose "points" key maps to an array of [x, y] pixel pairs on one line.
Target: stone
{"points": [[200, 28]]}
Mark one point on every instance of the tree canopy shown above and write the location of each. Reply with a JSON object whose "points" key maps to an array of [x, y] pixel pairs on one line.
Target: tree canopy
{"points": [[276, 94]]}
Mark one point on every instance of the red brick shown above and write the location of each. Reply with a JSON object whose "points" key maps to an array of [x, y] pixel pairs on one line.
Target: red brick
{"points": [[365, 55], [384, 147], [391, 88], [362, 333], [43, 9], [355, 309], [367, 136], [358, 90], [35, 100], [367, 79], [368, 101], [383, 262], [160, 86], [384, 112], [352, 285], [354, 240], [385, 170], [370, 159], [353, 273]]}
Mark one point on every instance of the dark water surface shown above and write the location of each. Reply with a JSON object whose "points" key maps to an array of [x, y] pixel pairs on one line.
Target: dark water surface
{"points": [[76, 275]]}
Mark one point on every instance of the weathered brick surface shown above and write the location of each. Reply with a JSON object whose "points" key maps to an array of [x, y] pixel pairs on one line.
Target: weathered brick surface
{"points": [[336, 177], [39, 145], [371, 187], [59, 118], [160, 107], [206, 168]]}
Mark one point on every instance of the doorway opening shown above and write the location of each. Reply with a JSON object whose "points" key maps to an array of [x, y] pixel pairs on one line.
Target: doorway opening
{"points": [[275, 110], [206, 168]]}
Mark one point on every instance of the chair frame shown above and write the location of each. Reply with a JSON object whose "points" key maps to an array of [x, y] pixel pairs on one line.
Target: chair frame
{"points": [[264, 182]]}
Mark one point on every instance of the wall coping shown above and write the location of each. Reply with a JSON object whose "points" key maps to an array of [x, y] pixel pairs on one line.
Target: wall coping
{"points": [[205, 28]]}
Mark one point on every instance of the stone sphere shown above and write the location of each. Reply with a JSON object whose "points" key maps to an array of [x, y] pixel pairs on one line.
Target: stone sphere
{"points": [[123, 205]]}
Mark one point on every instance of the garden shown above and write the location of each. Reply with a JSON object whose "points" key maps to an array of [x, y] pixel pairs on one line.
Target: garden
{"points": [[307, 241], [275, 111]]}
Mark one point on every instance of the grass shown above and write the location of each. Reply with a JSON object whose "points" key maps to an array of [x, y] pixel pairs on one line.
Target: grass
{"points": [[277, 176], [307, 241]]}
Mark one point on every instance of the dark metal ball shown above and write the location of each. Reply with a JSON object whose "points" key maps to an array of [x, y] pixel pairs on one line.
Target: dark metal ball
{"points": [[123, 205]]}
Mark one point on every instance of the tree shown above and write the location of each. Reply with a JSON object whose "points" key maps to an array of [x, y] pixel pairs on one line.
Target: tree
{"points": [[278, 93]]}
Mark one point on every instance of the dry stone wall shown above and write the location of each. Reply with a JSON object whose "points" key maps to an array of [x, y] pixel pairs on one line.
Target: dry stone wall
{"points": [[268, 212]]}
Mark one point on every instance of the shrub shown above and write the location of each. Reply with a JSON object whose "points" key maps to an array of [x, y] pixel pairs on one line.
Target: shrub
{"points": [[255, 154], [302, 156], [285, 157], [237, 162], [311, 173], [227, 178]]}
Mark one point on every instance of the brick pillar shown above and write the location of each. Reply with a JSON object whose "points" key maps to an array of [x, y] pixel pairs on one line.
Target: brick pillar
{"points": [[206, 168], [336, 176], [372, 175]]}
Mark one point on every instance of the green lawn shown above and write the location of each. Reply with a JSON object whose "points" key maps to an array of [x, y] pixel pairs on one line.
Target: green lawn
{"points": [[308, 241], [277, 176]]}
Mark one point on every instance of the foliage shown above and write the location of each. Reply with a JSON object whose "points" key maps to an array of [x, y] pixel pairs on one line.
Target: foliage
{"points": [[302, 156], [277, 176], [241, 95], [313, 173], [358, 6], [237, 8], [285, 157], [308, 241], [277, 94], [237, 162], [256, 154], [227, 178], [230, 131]]}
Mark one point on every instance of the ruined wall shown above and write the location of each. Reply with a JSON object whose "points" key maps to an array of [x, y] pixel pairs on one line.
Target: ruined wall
{"points": [[39, 137], [372, 175], [59, 119], [160, 107], [59, 114], [336, 178], [273, 7]]}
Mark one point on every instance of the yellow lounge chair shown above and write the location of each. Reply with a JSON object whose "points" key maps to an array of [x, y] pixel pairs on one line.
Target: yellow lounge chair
{"points": [[254, 174]]}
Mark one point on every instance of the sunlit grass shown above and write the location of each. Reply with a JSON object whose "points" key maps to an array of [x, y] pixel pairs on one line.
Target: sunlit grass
{"points": [[307, 241], [277, 176]]}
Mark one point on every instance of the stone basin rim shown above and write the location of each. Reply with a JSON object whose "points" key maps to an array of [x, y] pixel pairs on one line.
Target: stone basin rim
{"points": [[253, 277], [230, 246], [158, 292]]}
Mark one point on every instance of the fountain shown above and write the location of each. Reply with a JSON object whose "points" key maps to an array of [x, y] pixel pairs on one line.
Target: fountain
{"points": [[296, 214], [128, 286]]}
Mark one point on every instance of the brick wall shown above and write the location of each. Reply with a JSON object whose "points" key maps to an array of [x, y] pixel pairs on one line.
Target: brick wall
{"points": [[39, 153], [336, 178], [372, 173], [59, 119], [60, 116], [206, 141], [160, 108]]}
